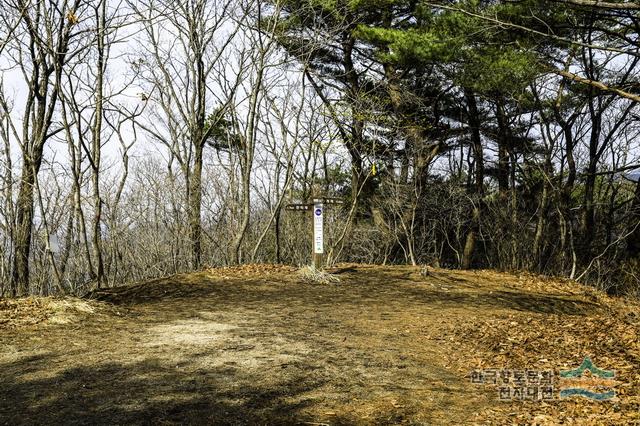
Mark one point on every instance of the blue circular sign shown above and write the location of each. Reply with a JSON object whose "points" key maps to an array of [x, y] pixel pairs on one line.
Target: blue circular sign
{"points": [[318, 212]]}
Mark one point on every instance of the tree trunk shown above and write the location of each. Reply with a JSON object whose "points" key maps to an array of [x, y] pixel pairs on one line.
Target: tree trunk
{"points": [[40, 106], [355, 142], [198, 142], [246, 215], [478, 155], [24, 221], [503, 150], [195, 209], [470, 241], [564, 201], [277, 232], [541, 225], [97, 146], [588, 214]]}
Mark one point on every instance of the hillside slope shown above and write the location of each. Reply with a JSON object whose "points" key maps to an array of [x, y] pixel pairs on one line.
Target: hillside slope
{"points": [[256, 344]]}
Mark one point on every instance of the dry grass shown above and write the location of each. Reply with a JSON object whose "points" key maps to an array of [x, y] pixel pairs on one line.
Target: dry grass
{"points": [[310, 274], [36, 310]]}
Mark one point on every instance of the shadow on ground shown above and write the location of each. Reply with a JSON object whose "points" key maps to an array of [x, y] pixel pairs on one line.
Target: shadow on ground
{"points": [[356, 286], [146, 393], [206, 349]]}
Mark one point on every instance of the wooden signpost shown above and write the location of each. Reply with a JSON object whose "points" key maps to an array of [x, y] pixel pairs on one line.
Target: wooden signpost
{"points": [[316, 206]]}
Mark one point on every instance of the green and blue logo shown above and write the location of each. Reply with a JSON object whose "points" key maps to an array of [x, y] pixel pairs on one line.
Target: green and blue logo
{"points": [[579, 385]]}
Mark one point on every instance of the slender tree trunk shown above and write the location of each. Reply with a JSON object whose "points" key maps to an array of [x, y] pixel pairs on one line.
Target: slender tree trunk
{"points": [[9, 217], [541, 226], [277, 232], [478, 154], [515, 233], [470, 240], [195, 208], [40, 106], [564, 201], [355, 143], [503, 150], [246, 215], [588, 213], [24, 221], [198, 142], [263, 46], [97, 146]]}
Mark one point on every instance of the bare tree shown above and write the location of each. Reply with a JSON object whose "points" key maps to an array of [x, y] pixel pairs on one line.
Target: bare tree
{"points": [[181, 49], [261, 44], [45, 44]]}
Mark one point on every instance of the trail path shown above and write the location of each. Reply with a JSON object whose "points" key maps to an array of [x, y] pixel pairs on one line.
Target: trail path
{"points": [[383, 346]]}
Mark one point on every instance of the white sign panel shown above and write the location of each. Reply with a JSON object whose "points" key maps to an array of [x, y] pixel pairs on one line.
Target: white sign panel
{"points": [[54, 244], [318, 229]]}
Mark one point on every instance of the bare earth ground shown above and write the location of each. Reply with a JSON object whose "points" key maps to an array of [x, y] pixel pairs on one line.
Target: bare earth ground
{"points": [[257, 345]]}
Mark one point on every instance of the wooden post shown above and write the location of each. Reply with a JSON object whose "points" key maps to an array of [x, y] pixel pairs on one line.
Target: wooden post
{"points": [[317, 207], [318, 233]]}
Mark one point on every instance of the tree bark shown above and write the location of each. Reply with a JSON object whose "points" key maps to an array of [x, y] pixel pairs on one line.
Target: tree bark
{"points": [[38, 112], [24, 222], [97, 144], [503, 150], [195, 208], [354, 143], [478, 189]]}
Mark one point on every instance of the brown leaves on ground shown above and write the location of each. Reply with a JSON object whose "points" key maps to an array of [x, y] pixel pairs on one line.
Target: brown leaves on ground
{"points": [[15, 313], [390, 345], [608, 333], [251, 270]]}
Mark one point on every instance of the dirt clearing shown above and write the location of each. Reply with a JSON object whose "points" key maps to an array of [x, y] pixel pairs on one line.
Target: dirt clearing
{"points": [[259, 345]]}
